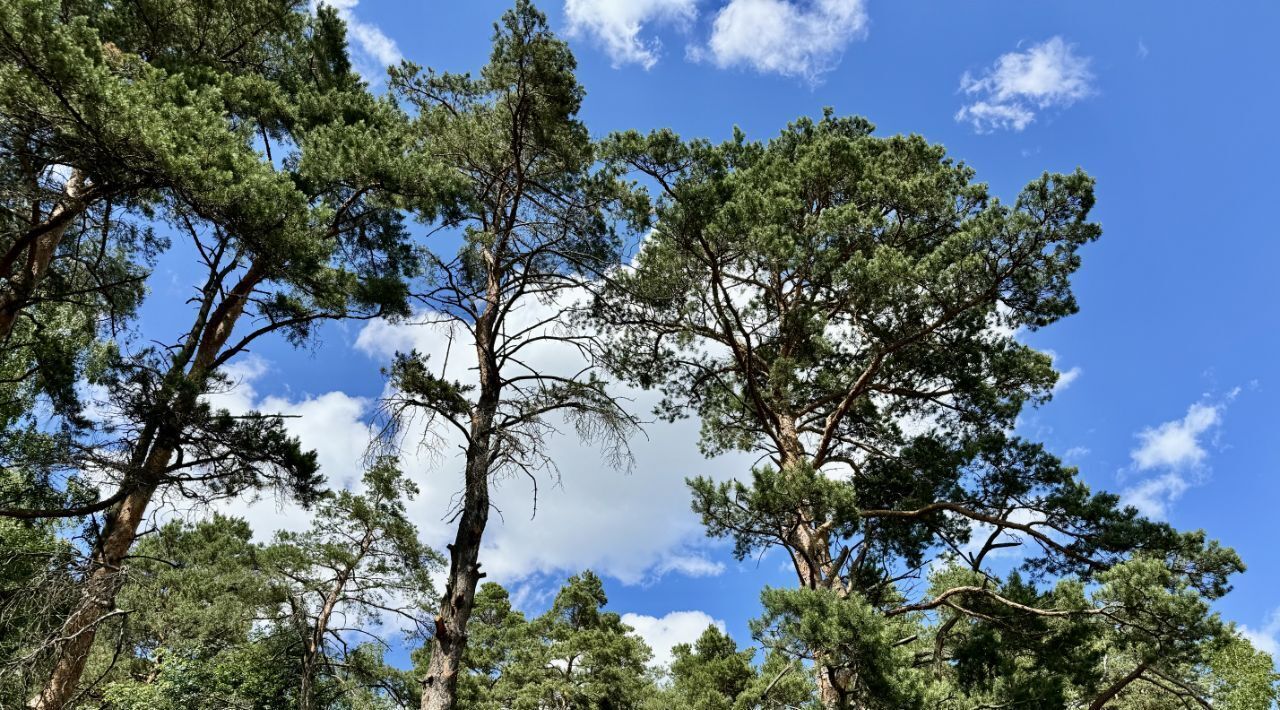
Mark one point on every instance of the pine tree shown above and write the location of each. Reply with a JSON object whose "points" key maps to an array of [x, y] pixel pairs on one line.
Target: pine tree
{"points": [[576, 656], [289, 217], [845, 306], [535, 212]]}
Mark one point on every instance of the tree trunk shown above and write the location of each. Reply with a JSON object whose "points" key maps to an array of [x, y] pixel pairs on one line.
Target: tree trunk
{"points": [[828, 693], [440, 686], [97, 600], [32, 254], [811, 555], [314, 650], [121, 526]]}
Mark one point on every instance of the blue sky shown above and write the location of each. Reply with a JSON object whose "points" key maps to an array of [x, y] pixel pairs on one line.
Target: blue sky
{"points": [[1171, 397]]}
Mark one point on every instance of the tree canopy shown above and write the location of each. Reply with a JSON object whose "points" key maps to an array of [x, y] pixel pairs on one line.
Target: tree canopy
{"points": [[847, 309]]}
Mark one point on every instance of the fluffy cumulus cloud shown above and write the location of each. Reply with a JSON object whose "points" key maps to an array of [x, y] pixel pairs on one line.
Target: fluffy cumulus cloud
{"points": [[632, 524], [792, 38], [374, 50], [332, 424], [664, 633], [1177, 444], [1266, 638], [1010, 93], [618, 25], [1176, 451]]}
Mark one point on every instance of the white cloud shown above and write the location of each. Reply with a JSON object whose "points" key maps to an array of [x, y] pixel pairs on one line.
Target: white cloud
{"points": [[617, 25], [675, 628], [374, 50], [1066, 378], [802, 39], [1176, 444], [1266, 638], [633, 526], [1075, 453], [1009, 94], [690, 565], [1143, 51], [1153, 496], [1177, 449], [332, 424], [986, 116]]}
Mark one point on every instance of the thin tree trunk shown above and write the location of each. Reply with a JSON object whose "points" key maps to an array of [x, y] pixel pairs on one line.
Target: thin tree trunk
{"points": [[315, 645], [811, 556], [98, 599], [1114, 689]]}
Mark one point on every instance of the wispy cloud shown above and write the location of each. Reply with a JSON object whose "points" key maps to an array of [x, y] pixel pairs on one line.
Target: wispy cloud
{"points": [[690, 565], [1066, 378], [779, 37], [618, 25], [1075, 453], [1010, 93], [373, 51]]}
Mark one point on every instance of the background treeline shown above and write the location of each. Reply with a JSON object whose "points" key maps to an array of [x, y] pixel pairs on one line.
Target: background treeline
{"points": [[840, 305], [217, 620]]}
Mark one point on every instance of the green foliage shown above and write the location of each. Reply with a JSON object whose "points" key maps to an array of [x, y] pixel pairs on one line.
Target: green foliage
{"points": [[845, 307], [842, 305], [240, 126], [713, 674], [574, 656], [196, 589], [1242, 677], [220, 621], [857, 647], [196, 594]]}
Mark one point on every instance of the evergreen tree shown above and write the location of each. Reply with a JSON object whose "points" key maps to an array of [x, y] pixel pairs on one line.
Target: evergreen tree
{"points": [[217, 620], [361, 560], [713, 674], [196, 595], [845, 306], [576, 656], [286, 240], [535, 214]]}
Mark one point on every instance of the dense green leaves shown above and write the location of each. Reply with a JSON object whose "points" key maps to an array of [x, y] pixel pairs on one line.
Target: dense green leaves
{"points": [[218, 620]]}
